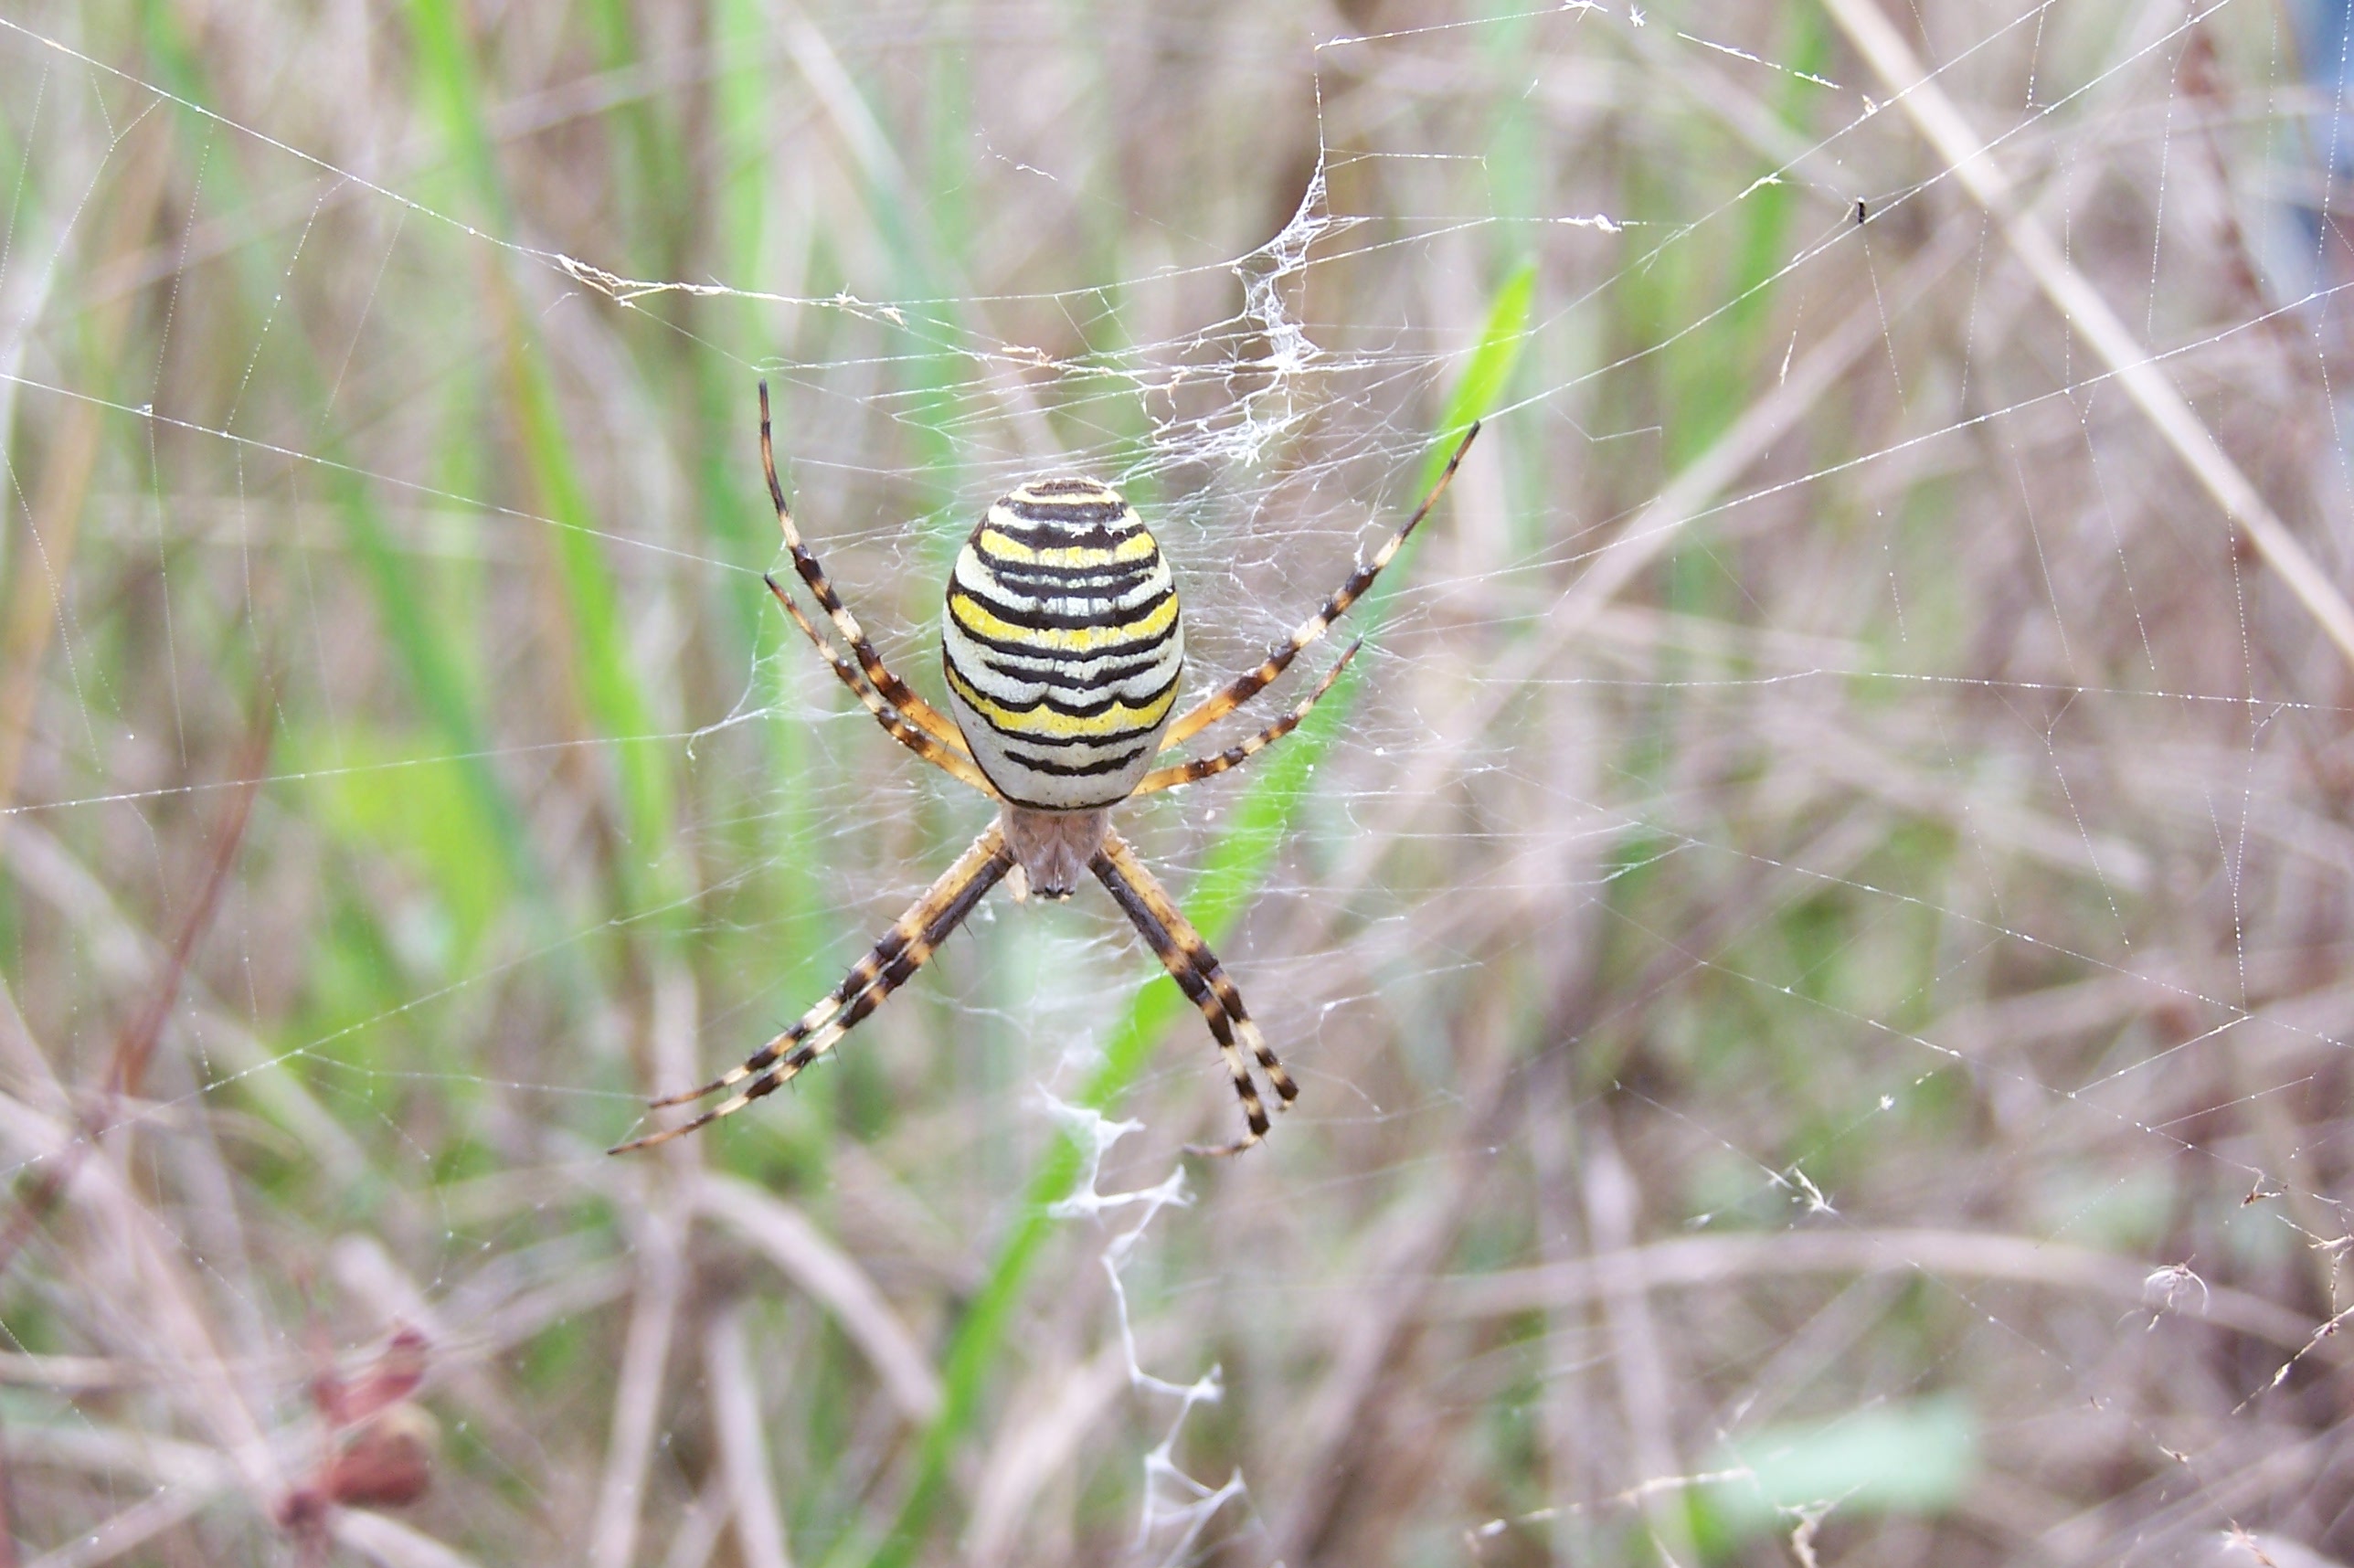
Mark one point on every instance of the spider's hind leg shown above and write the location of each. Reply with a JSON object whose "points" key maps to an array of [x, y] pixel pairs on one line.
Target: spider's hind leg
{"points": [[906, 947], [1198, 973]]}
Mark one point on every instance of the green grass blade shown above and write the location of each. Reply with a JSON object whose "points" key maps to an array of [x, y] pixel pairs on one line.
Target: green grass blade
{"points": [[790, 950], [435, 674], [609, 689]]}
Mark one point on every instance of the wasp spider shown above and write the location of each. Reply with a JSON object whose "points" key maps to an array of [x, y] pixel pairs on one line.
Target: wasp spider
{"points": [[1062, 650]]}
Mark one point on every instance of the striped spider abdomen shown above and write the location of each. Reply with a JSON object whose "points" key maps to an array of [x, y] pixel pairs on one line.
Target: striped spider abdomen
{"points": [[1063, 646]]}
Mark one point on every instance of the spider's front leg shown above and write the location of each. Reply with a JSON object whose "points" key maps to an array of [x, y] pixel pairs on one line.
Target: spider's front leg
{"points": [[1250, 682], [906, 947], [957, 762], [894, 692], [1197, 972]]}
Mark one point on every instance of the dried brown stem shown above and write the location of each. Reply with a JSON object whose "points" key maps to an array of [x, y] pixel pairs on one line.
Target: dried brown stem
{"points": [[134, 1048]]}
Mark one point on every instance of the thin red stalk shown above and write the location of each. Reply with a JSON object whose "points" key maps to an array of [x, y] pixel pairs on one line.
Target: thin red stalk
{"points": [[134, 1048]]}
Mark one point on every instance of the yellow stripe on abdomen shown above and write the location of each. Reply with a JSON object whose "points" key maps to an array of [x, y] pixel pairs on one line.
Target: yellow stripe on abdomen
{"points": [[981, 622], [1000, 546], [1118, 722]]}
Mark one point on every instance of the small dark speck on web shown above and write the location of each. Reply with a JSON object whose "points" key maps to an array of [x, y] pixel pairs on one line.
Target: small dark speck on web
{"points": [[1862, 212]]}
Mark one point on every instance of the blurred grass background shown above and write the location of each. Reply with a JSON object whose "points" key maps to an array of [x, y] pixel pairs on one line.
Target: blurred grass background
{"points": [[1810, 938]]}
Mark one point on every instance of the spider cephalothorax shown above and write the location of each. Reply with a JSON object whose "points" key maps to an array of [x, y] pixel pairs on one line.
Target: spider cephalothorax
{"points": [[1063, 648]]}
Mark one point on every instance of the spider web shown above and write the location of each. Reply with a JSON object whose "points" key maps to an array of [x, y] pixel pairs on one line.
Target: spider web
{"points": [[1810, 940]]}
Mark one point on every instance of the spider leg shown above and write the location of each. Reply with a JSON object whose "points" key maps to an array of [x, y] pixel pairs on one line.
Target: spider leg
{"points": [[956, 764], [906, 947], [1234, 756], [894, 691], [1245, 686], [1197, 972]]}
